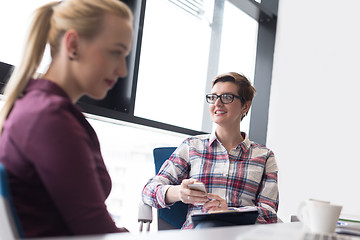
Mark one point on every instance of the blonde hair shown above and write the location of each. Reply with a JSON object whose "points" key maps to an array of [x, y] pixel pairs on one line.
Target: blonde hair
{"points": [[49, 24]]}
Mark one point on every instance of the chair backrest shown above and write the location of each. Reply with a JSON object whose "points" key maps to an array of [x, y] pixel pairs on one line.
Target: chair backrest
{"points": [[176, 215], [9, 222]]}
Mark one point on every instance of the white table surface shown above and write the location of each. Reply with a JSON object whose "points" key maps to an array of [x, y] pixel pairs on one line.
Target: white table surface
{"points": [[280, 231]]}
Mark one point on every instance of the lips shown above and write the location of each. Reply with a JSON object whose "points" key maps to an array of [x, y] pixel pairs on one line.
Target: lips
{"points": [[217, 112], [110, 83]]}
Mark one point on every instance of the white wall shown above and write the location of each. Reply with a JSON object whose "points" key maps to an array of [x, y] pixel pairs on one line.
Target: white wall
{"points": [[314, 113]]}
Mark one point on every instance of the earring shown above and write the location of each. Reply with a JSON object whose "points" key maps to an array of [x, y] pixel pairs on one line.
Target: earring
{"points": [[71, 57]]}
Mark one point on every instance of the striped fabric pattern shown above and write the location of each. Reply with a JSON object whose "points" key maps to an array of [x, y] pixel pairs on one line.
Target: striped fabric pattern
{"points": [[246, 176]]}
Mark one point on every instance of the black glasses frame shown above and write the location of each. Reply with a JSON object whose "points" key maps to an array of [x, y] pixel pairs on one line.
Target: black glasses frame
{"points": [[221, 98]]}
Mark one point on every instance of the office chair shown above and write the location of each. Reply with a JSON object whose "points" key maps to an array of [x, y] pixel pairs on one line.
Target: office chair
{"points": [[172, 218], [9, 222]]}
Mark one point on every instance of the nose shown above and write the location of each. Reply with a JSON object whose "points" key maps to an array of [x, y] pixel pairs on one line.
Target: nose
{"points": [[218, 102], [121, 68]]}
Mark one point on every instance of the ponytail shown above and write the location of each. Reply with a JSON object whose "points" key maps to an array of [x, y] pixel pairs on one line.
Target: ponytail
{"points": [[50, 22], [31, 59]]}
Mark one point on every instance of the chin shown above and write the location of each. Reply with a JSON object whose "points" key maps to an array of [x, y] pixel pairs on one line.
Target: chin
{"points": [[97, 96], [217, 120], [217, 123]]}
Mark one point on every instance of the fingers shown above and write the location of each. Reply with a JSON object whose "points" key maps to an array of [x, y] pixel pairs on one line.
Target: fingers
{"points": [[215, 204], [214, 196], [185, 183], [191, 196], [195, 200], [211, 202]]}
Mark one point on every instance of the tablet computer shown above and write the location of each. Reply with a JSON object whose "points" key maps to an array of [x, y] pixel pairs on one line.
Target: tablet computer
{"points": [[235, 216]]}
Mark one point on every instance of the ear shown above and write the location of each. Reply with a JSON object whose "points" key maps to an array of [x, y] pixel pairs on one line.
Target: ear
{"points": [[71, 38], [246, 106]]}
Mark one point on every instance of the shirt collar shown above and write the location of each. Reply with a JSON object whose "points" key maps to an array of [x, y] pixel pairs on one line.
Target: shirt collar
{"points": [[212, 138], [245, 145]]}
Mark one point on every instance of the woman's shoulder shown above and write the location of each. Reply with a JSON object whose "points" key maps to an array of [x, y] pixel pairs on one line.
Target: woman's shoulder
{"points": [[40, 106], [258, 149], [43, 110], [197, 141], [201, 137]]}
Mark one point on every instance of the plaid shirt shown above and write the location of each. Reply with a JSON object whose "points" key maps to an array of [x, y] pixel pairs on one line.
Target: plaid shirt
{"points": [[246, 176]]}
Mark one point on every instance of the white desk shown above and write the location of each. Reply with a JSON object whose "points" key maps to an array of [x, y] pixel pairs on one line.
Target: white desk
{"points": [[280, 231]]}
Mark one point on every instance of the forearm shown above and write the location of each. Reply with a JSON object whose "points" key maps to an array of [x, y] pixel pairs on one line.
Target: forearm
{"points": [[172, 194], [155, 191]]}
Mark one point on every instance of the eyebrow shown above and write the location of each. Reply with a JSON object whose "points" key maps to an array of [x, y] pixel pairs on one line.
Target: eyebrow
{"points": [[122, 45], [225, 93]]}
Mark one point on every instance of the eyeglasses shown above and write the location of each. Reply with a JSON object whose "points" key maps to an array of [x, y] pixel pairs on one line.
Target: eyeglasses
{"points": [[224, 98]]}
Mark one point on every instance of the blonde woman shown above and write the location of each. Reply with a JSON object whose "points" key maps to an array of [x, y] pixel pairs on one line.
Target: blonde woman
{"points": [[57, 176]]}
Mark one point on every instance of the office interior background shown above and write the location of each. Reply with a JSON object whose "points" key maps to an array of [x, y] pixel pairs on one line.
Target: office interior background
{"points": [[309, 117]]}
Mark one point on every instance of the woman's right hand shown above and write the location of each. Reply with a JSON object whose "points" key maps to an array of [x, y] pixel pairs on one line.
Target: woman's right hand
{"points": [[189, 196], [183, 193]]}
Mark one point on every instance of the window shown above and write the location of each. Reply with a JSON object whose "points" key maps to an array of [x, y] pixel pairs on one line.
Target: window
{"points": [[14, 21], [238, 46], [173, 64], [174, 60]]}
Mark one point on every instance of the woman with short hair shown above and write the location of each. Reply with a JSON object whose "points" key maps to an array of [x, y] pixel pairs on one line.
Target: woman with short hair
{"points": [[236, 172]]}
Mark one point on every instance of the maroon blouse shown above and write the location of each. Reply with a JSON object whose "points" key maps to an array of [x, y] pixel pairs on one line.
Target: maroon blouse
{"points": [[57, 176]]}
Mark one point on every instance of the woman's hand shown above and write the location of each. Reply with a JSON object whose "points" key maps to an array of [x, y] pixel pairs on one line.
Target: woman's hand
{"points": [[215, 204], [183, 193], [189, 196]]}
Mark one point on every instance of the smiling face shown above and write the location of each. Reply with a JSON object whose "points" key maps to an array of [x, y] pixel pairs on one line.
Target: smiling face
{"points": [[227, 115], [102, 60]]}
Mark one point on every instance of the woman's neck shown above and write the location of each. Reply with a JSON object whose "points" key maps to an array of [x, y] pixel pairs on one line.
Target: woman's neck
{"points": [[230, 138], [62, 78]]}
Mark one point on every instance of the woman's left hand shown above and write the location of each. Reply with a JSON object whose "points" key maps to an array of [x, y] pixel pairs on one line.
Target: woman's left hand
{"points": [[215, 204]]}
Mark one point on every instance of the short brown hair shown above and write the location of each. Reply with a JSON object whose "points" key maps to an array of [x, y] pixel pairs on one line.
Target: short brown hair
{"points": [[245, 90]]}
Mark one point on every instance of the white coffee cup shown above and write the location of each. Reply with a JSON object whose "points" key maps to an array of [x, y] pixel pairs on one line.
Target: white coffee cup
{"points": [[319, 216]]}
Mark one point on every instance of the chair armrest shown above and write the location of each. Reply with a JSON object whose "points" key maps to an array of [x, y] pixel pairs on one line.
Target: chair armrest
{"points": [[144, 215]]}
